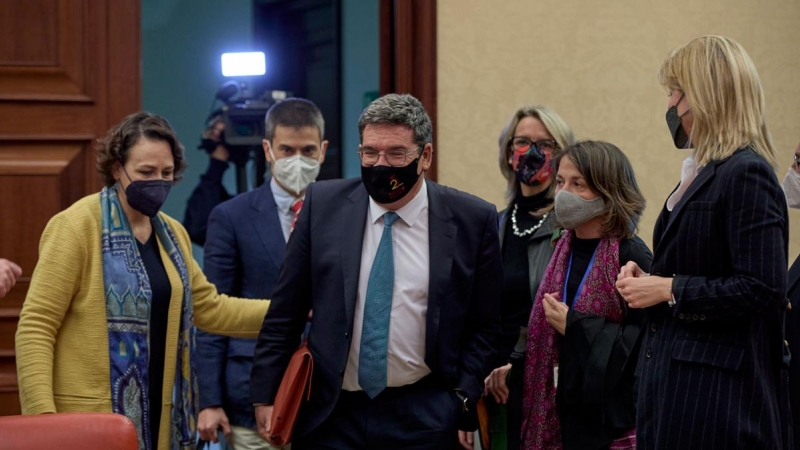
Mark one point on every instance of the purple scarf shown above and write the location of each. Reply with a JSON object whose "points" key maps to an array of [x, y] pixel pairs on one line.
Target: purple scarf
{"points": [[598, 296]]}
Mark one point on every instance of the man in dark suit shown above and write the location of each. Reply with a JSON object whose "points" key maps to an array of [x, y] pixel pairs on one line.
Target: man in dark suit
{"points": [[791, 187], [243, 255], [403, 276]]}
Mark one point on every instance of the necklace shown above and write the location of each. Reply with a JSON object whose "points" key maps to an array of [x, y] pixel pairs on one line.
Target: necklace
{"points": [[529, 230]]}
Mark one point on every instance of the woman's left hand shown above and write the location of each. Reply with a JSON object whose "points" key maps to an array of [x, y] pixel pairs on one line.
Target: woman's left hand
{"points": [[645, 291], [555, 312]]}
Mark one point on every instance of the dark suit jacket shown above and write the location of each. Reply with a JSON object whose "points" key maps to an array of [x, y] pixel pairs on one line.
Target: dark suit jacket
{"points": [[793, 337], [321, 271], [243, 256], [712, 372]]}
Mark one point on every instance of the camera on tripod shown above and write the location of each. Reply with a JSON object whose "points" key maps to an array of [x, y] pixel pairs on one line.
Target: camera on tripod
{"points": [[243, 114]]}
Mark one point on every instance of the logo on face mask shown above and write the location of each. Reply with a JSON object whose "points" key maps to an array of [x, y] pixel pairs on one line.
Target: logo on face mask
{"points": [[387, 184], [395, 183], [533, 166]]}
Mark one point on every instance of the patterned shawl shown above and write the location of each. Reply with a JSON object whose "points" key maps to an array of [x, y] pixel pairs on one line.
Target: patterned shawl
{"points": [[598, 296], [127, 298]]}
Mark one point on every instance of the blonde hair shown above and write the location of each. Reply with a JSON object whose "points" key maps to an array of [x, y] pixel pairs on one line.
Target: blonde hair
{"points": [[727, 102], [554, 124]]}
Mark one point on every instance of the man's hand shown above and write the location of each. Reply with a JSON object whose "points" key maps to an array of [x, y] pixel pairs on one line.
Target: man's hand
{"points": [[496, 384], [466, 439], [263, 420], [9, 272], [210, 420]]}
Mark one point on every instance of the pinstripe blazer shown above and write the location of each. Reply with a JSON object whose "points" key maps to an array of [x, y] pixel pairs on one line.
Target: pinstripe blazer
{"points": [[793, 337], [712, 371]]}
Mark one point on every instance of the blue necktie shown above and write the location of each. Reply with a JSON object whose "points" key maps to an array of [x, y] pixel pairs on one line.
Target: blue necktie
{"points": [[377, 312]]}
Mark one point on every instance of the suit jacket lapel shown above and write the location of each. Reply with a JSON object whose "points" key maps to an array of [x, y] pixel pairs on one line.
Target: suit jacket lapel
{"points": [[703, 178], [442, 241], [267, 224], [351, 224]]}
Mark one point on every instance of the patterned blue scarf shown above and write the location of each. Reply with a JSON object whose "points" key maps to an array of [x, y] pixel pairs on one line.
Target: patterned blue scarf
{"points": [[128, 297]]}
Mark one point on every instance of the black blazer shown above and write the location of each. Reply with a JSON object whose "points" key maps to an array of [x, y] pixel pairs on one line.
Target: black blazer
{"points": [[242, 258], [712, 371], [321, 271], [793, 337]]}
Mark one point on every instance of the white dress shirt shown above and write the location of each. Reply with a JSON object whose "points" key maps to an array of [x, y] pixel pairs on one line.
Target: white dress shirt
{"points": [[689, 171], [410, 245], [284, 200]]}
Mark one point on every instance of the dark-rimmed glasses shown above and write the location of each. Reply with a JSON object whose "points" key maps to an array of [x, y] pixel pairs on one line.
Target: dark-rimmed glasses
{"points": [[522, 144]]}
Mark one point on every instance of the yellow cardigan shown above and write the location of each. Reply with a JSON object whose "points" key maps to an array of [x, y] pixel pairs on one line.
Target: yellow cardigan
{"points": [[62, 336]]}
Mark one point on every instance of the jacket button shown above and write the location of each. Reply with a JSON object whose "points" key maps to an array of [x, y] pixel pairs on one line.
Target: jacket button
{"points": [[341, 371], [695, 317], [346, 334], [681, 316], [653, 327], [702, 317], [648, 353]]}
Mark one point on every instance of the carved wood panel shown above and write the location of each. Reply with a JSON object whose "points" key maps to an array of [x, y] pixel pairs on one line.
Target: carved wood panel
{"points": [[59, 60]]}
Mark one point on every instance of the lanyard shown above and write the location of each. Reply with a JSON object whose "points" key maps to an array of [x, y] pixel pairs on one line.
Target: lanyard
{"points": [[585, 275]]}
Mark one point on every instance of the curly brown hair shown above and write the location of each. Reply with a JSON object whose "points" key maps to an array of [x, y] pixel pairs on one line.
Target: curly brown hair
{"points": [[117, 144]]}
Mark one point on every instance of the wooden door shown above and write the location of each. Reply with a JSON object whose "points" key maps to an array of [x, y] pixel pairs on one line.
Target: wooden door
{"points": [[408, 55], [69, 69]]}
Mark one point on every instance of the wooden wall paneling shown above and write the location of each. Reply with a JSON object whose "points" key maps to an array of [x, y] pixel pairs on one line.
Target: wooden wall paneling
{"points": [[408, 54], [69, 69]]}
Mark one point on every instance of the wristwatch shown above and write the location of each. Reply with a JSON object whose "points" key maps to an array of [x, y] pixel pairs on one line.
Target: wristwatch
{"points": [[464, 400]]}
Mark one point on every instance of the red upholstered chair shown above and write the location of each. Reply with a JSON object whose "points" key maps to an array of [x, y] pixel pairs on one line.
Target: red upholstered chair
{"points": [[68, 431]]}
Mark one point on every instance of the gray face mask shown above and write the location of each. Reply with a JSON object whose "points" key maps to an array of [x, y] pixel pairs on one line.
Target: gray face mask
{"points": [[572, 210]]}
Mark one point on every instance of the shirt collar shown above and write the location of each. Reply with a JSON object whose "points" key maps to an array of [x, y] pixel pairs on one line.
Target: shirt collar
{"points": [[283, 199], [409, 213]]}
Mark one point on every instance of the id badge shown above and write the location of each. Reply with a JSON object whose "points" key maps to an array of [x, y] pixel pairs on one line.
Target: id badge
{"points": [[555, 376]]}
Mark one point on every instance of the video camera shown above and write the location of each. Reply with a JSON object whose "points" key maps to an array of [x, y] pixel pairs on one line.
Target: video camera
{"points": [[243, 114]]}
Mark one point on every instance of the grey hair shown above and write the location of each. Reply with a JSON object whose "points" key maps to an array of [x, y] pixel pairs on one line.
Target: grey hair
{"points": [[295, 113], [398, 109]]}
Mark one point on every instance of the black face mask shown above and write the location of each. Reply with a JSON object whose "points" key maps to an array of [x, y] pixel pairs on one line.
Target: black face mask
{"points": [[387, 184], [147, 196], [679, 137]]}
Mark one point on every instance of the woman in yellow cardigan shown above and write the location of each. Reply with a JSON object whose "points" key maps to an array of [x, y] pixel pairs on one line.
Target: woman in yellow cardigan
{"points": [[108, 321]]}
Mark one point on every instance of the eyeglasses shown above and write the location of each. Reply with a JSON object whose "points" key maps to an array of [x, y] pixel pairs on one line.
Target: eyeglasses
{"points": [[796, 161], [522, 144], [395, 157]]}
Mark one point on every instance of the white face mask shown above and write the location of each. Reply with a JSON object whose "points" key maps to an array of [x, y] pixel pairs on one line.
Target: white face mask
{"points": [[791, 187], [295, 172]]}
